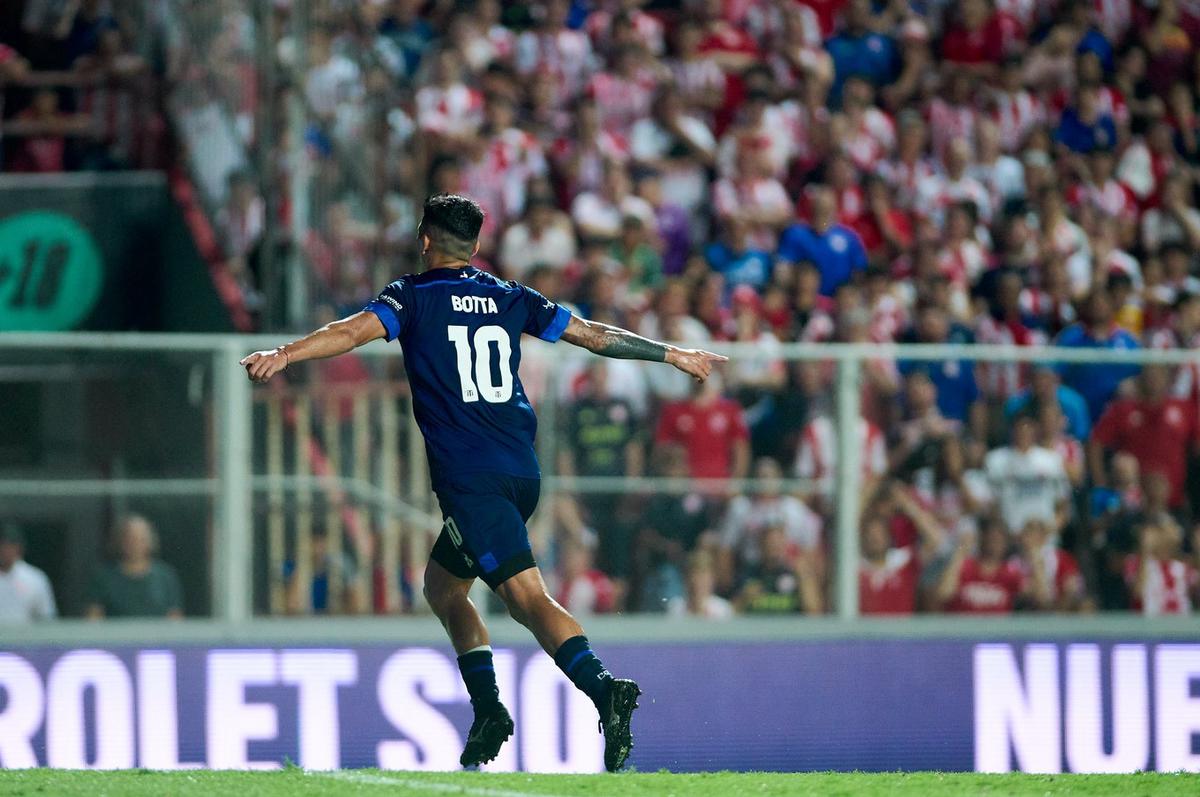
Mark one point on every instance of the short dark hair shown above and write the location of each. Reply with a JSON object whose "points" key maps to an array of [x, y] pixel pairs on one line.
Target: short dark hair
{"points": [[452, 223]]}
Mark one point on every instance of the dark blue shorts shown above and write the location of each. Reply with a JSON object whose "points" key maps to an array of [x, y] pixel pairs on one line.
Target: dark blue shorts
{"points": [[483, 533]]}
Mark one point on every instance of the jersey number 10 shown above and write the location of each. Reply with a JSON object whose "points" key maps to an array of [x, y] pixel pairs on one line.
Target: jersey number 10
{"points": [[476, 378]]}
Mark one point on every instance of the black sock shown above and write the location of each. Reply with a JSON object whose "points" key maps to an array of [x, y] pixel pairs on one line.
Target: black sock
{"points": [[576, 659], [479, 674]]}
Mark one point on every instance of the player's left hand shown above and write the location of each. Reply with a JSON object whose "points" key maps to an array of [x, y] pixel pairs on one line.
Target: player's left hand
{"points": [[262, 365], [696, 363]]}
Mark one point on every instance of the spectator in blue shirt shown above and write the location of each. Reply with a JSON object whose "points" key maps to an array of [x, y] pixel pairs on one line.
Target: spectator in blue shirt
{"points": [[738, 261], [405, 37], [957, 391], [1045, 388], [1096, 383], [1083, 127], [834, 248], [859, 51]]}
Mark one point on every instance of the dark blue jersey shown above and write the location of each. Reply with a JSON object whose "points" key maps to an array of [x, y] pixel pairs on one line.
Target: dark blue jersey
{"points": [[461, 333]]}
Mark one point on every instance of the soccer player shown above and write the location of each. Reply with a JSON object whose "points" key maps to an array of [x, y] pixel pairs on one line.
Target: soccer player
{"points": [[460, 329]]}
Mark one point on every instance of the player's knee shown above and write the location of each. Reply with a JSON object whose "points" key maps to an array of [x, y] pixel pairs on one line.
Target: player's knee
{"points": [[438, 593]]}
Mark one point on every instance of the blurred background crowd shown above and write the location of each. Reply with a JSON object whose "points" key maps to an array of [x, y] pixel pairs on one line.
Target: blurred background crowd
{"points": [[759, 171]]}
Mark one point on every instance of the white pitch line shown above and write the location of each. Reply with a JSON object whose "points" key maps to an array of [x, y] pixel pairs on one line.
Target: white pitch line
{"points": [[353, 776]]}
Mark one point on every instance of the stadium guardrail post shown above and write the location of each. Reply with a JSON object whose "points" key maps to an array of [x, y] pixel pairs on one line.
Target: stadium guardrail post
{"points": [[849, 473], [299, 166], [232, 595]]}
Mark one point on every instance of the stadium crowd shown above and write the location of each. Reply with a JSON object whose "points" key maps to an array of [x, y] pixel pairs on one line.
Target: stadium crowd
{"points": [[1010, 173], [78, 87], [765, 171]]}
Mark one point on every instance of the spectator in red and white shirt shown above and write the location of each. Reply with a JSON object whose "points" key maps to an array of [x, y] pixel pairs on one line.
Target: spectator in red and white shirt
{"points": [[1148, 161], [700, 598], [582, 588], [953, 114], [1050, 577], [1006, 324], [962, 258], [332, 77], [817, 456], [544, 237], [713, 430], [755, 197], [911, 167], [1159, 580], [679, 146], [888, 574], [759, 126], [1015, 109], [1002, 175], [982, 579], [624, 92], [553, 47], [748, 517], [869, 134], [447, 107], [697, 78], [1183, 333], [1109, 256], [1065, 241], [512, 158], [598, 214], [479, 41], [579, 157], [1100, 189], [797, 57], [848, 192], [936, 193], [726, 43], [888, 314], [1159, 430]]}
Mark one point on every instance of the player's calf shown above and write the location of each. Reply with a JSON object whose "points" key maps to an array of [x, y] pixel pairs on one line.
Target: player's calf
{"points": [[562, 637]]}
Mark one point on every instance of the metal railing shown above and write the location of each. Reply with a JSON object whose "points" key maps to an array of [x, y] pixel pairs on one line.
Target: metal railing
{"points": [[394, 489]]}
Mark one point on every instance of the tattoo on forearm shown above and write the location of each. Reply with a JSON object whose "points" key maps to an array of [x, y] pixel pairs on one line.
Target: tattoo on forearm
{"points": [[625, 345]]}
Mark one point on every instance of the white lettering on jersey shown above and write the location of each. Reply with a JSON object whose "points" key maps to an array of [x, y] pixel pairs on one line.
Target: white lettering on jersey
{"points": [[474, 304]]}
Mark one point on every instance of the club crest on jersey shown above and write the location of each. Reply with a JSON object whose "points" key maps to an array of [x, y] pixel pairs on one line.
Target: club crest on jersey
{"points": [[474, 304]]}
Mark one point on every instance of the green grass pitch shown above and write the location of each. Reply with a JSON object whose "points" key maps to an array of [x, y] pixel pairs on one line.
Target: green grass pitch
{"points": [[289, 782]]}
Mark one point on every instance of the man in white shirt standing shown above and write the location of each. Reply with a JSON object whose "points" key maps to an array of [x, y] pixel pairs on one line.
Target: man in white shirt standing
{"points": [[1029, 482], [25, 593]]}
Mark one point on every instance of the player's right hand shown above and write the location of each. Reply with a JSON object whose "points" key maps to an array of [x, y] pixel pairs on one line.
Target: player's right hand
{"points": [[696, 363], [262, 365]]}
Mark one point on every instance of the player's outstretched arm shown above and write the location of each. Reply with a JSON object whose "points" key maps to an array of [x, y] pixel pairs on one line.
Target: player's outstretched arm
{"points": [[610, 341], [330, 340]]}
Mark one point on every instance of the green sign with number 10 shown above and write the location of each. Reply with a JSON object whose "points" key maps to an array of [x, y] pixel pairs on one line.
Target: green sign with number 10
{"points": [[50, 272]]}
